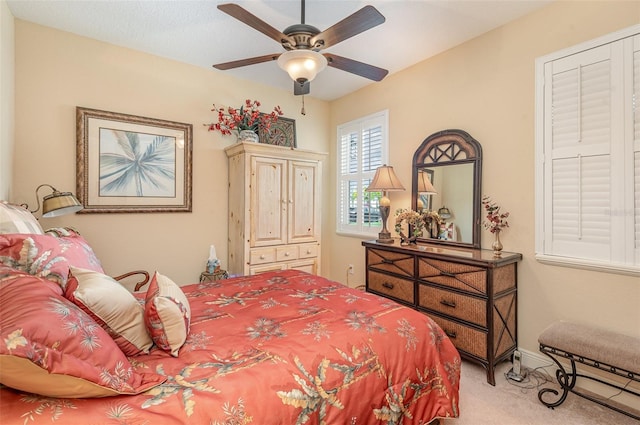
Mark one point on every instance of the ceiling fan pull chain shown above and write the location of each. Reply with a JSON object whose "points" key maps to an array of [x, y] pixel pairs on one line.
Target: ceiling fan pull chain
{"points": [[303, 112]]}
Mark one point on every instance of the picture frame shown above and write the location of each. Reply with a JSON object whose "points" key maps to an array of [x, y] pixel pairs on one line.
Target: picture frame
{"points": [[281, 133], [132, 164]]}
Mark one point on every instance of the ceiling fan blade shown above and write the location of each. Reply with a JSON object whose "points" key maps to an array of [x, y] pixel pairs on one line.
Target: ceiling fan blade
{"points": [[300, 89], [248, 61], [253, 21], [360, 21], [359, 68]]}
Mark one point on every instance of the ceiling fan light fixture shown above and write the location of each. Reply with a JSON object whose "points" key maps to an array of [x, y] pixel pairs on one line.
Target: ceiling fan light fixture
{"points": [[302, 65]]}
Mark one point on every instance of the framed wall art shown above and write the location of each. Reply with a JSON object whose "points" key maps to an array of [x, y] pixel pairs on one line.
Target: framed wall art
{"points": [[281, 133], [131, 164]]}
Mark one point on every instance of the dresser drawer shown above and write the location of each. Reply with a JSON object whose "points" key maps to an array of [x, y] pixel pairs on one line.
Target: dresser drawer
{"points": [[460, 276], [308, 250], [464, 337], [286, 252], [262, 255], [462, 307], [389, 261], [391, 286]]}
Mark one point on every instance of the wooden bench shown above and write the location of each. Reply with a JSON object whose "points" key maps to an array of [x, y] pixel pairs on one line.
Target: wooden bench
{"points": [[600, 349]]}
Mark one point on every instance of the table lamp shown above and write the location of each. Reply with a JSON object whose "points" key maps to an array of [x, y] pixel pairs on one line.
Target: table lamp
{"points": [[385, 181]]}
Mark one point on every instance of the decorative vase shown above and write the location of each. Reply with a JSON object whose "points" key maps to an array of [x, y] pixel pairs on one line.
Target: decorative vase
{"points": [[248, 136], [497, 245]]}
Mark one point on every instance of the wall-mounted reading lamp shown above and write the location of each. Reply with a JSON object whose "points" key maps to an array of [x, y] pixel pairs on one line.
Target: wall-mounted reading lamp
{"points": [[57, 203]]}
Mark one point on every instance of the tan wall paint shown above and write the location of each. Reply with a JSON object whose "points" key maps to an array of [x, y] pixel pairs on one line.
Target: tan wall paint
{"points": [[7, 67], [57, 71], [486, 87]]}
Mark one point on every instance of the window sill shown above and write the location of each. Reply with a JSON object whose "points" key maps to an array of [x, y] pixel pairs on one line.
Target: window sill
{"points": [[588, 265], [363, 236]]}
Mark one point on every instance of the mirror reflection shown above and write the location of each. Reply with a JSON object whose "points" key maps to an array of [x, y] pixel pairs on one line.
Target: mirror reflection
{"points": [[451, 197], [447, 169]]}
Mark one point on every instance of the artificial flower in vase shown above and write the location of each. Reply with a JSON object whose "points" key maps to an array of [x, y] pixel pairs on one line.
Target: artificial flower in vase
{"points": [[495, 222], [246, 121]]}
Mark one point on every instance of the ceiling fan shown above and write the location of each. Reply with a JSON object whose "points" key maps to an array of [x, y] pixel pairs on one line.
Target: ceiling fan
{"points": [[302, 43]]}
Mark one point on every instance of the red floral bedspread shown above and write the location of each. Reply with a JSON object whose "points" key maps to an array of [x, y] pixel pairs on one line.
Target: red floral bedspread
{"points": [[280, 348]]}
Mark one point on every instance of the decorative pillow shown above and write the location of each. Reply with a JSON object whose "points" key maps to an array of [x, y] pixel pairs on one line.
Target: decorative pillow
{"points": [[167, 314], [17, 219], [47, 256], [48, 346], [112, 306]]}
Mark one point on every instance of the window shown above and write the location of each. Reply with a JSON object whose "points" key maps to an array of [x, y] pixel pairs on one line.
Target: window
{"points": [[362, 148], [588, 155]]}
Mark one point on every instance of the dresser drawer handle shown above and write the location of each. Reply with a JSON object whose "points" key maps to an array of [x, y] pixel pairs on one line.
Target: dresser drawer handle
{"points": [[286, 254], [262, 257], [451, 334], [388, 285], [387, 261], [451, 304]]}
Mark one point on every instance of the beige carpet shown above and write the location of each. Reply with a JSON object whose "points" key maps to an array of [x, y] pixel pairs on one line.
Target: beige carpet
{"points": [[507, 404]]}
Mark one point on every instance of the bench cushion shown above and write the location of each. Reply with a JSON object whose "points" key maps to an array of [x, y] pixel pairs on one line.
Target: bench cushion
{"points": [[604, 346]]}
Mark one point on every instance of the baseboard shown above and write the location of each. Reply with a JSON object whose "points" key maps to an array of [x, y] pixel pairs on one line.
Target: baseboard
{"points": [[539, 361]]}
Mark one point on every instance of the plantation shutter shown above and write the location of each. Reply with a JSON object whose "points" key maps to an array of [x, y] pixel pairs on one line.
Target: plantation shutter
{"points": [[579, 91], [590, 156], [362, 147]]}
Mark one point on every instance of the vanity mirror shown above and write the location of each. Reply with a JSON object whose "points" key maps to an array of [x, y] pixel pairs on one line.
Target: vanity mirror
{"points": [[451, 161]]}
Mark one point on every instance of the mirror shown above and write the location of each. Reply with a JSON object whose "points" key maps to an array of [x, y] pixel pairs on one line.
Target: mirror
{"points": [[446, 178]]}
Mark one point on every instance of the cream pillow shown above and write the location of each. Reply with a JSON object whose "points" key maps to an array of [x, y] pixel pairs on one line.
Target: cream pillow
{"points": [[167, 314], [112, 306]]}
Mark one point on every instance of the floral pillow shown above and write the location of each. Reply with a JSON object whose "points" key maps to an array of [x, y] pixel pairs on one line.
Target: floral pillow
{"points": [[167, 314], [17, 219], [48, 256], [70, 357], [112, 306]]}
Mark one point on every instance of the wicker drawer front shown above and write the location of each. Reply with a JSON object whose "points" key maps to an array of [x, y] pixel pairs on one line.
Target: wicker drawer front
{"points": [[389, 261], [452, 304], [463, 337], [460, 276], [393, 287]]}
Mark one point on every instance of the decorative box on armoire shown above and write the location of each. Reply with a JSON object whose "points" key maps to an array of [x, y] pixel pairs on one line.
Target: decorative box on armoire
{"points": [[470, 293], [274, 208]]}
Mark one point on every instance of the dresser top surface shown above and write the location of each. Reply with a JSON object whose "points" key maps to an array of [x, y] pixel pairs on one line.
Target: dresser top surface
{"points": [[471, 255]]}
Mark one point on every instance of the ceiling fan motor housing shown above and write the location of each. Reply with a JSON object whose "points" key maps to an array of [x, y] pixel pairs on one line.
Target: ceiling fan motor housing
{"points": [[301, 35]]}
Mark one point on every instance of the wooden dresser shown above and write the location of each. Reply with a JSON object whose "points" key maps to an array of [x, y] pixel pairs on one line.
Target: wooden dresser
{"points": [[470, 293], [274, 208]]}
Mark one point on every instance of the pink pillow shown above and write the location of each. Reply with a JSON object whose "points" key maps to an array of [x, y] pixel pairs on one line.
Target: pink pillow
{"points": [[47, 256], [48, 346], [167, 314], [112, 306]]}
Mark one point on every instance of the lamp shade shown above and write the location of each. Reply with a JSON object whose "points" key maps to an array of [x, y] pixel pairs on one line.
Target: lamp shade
{"points": [[302, 65], [385, 180], [59, 203], [424, 184]]}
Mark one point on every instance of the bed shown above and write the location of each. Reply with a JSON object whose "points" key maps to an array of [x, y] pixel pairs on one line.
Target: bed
{"points": [[282, 347]]}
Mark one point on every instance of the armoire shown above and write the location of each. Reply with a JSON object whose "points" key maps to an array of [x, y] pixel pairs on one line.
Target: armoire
{"points": [[274, 208]]}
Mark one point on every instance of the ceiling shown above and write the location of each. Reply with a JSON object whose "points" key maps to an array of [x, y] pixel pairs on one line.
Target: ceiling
{"points": [[197, 33]]}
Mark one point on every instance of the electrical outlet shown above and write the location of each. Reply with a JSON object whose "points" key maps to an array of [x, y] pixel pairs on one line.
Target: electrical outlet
{"points": [[350, 268]]}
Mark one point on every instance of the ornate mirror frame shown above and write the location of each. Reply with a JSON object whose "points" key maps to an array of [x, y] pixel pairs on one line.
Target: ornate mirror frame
{"points": [[447, 148]]}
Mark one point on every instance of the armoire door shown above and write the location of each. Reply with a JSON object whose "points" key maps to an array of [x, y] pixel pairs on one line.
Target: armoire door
{"points": [[303, 202], [268, 201]]}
